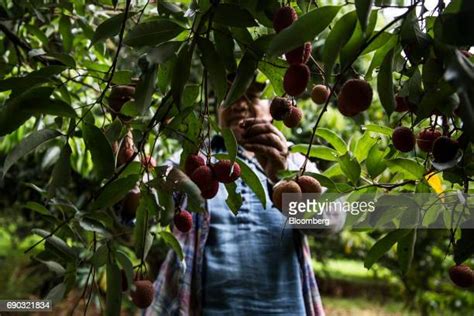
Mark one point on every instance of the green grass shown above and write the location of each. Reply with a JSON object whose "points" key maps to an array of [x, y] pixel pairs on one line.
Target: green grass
{"points": [[363, 307]]}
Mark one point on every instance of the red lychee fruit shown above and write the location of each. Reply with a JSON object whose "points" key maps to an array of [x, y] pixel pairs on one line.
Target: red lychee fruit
{"points": [[193, 162], [130, 203], [462, 275], [125, 155], [143, 294], [295, 80], [299, 55], [426, 139], [403, 139], [284, 17], [183, 220], [222, 171], [206, 181], [444, 149], [309, 184], [280, 108], [294, 118], [284, 186], [355, 97], [320, 94], [148, 162], [210, 190]]}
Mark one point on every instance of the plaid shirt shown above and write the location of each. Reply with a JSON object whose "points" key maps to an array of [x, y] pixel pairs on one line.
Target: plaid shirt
{"points": [[178, 286]]}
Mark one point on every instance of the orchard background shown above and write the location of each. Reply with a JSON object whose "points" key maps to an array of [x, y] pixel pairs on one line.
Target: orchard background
{"points": [[63, 234]]}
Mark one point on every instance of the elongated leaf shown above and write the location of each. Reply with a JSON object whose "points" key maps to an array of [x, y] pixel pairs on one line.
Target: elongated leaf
{"points": [[152, 33], [214, 65], [99, 146], [410, 169], [363, 8], [27, 145], [55, 242], [317, 151], [363, 146], [305, 29], [234, 199], [114, 192], [380, 55], [385, 84], [383, 245], [61, 175], [243, 79], [225, 47], [384, 130], [181, 72], [145, 89], [109, 27], [163, 52], [127, 266], [171, 241], [350, 167], [114, 290], [40, 209], [339, 35], [274, 69], [406, 249], [56, 294], [233, 15], [375, 162], [66, 32], [333, 139], [54, 266], [230, 143]]}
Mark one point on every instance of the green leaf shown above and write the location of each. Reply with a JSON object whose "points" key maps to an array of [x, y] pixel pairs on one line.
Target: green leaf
{"points": [[27, 145], [363, 146], [181, 72], [243, 79], [380, 55], [339, 35], [333, 139], [230, 143], [56, 294], [61, 175], [383, 245], [384, 130], [99, 146], [214, 65], [56, 242], [225, 48], [127, 266], [141, 229], [40, 209], [114, 290], [410, 169], [406, 249], [54, 266], [250, 178], [317, 151], [233, 15], [350, 167], [145, 89], [375, 162], [93, 225], [122, 77], [385, 83], [114, 192], [234, 199], [109, 28], [381, 39], [450, 27], [363, 8], [66, 32], [274, 69], [163, 53], [152, 33], [305, 29], [171, 241]]}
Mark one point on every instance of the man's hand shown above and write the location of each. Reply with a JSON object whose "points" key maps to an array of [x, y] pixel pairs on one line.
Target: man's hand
{"points": [[268, 144]]}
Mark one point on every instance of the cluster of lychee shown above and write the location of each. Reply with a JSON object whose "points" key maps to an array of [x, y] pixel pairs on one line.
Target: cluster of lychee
{"points": [[283, 109], [462, 275], [301, 184], [429, 140]]}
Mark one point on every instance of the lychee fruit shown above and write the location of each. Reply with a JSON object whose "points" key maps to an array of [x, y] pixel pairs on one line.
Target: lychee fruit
{"points": [[295, 80], [402, 104], [130, 203], [143, 294], [444, 149], [403, 139], [294, 118], [299, 55], [284, 186], [210, 190], [462, 275], [206, 181], [280, 108], [225, 171], [320, 94], [125, 155], [355, 97], [284, 17], [183, 220], [120, 95], [193, 162], [148, 162], [426, 139], [309, 184]]}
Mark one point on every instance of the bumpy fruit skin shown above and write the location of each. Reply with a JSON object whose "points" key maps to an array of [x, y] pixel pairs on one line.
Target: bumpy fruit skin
{"points": [[284, 186], [299, 55], [284, 17], [148, 162], [426, 139], [320, 94], [462, 275], [192, 163], [120, 95], [130, 203], [222, 171], [143, 294], [183, 221], [403, 139], [294, 118], [295, 80], [444, 149], [309, 184], [206, 181], [126, 150], [280, 108], [355, 97]]}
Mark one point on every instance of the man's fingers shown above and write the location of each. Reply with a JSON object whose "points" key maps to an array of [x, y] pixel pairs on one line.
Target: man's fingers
{"points": [[268, 139], [246, 123], [270, 152], [263, 128]]}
